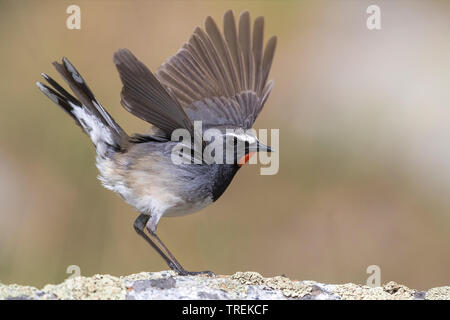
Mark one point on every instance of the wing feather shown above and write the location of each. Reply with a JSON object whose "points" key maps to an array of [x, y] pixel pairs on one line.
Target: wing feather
{"points": [[221, 48], [221, 78], [230, 32], [269, 52], [258, 34], [145, 97]]}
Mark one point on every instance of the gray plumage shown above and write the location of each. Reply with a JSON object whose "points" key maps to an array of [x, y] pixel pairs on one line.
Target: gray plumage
{"points": [[220, 79]]}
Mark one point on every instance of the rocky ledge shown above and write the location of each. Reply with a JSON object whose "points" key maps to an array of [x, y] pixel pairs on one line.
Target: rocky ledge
{"points": [[241, 285]]}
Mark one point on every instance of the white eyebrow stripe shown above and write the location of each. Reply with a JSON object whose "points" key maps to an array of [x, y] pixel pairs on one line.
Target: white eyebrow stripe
{"points": [[243, 136]]}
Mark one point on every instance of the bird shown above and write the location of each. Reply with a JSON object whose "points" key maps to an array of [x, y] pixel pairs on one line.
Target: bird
{"points": [[220, 79]]}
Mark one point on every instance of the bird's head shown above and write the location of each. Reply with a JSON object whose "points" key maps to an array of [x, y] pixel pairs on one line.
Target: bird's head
{"points": [[240, 146]]}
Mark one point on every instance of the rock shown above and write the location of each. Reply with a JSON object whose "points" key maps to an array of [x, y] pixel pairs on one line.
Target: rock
{"points": [[241, 285], [439, 293]]}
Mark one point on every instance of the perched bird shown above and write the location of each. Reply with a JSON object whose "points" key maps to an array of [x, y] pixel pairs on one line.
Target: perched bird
{"points": [[219, 79]]}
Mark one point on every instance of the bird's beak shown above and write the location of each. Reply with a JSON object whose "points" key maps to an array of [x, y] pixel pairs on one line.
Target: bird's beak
{"points": [[262, 147]]}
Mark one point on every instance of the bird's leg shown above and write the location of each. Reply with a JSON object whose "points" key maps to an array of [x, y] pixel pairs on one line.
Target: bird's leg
{"points": [[171, 256], [180, 270], [139, 226]]}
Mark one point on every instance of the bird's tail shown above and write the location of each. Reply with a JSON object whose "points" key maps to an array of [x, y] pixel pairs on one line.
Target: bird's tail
{"points": [[87, 112]]}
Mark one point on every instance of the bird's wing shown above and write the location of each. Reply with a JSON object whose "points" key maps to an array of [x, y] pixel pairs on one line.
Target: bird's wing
{"points": [[222, 79], [144, 96]]}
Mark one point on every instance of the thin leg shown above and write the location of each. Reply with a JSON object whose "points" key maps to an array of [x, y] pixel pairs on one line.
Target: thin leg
{"points": [[181, 270], [171, 256], [139, 226]]}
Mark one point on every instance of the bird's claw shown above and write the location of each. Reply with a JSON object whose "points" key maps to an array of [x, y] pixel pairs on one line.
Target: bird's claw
{"points": [[195, 273]]}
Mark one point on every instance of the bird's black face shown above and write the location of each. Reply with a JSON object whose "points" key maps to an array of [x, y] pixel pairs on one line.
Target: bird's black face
{"points": [[241, 147]]}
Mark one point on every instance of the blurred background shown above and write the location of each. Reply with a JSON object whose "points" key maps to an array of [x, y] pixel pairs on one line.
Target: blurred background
{"points": [[364, 120]]}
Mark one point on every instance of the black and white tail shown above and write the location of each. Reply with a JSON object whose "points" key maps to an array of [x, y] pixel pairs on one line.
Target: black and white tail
{"points": [[87, 112]]}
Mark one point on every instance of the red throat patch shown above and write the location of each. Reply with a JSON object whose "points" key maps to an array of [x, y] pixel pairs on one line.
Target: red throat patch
{"points": [[245, 159]]}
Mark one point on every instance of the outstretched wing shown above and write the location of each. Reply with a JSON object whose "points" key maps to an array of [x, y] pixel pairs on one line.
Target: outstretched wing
{"points": [[222, 79], [144, 96]]}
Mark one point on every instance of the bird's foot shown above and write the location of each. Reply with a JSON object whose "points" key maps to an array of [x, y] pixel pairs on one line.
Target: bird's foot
{"points": [[195, 273]]}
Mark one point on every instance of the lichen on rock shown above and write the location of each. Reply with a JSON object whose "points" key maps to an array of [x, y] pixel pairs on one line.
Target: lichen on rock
{"points": [[241, 285]]}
